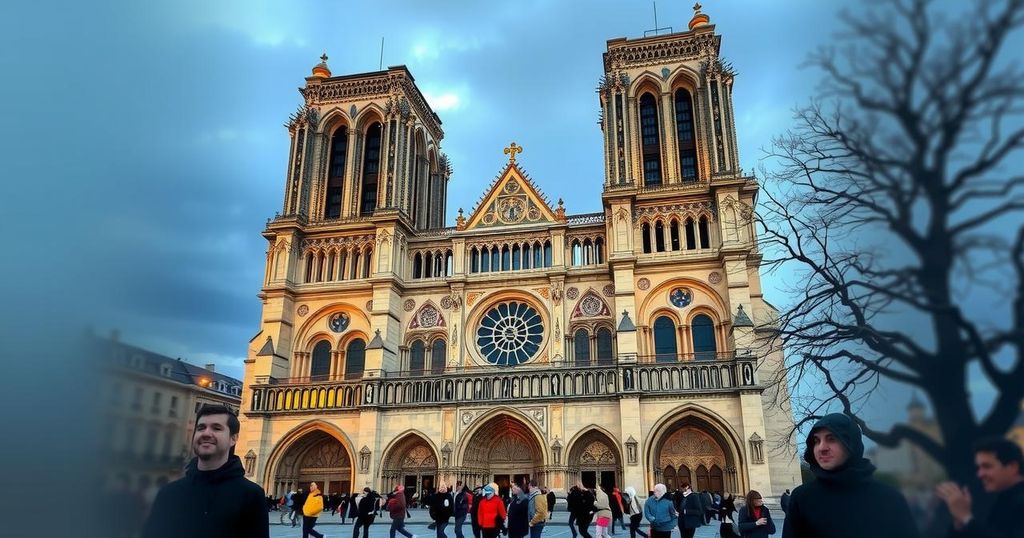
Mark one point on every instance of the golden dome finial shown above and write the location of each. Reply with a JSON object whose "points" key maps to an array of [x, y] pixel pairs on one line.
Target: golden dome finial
{"points": [[699, 19], [321, 70]]}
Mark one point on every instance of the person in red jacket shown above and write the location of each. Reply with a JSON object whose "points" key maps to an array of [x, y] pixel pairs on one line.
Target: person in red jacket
{"points": [[491, 512]]}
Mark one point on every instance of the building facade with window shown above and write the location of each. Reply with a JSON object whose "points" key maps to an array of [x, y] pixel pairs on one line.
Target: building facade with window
{"points": [[622, 347], [150, 409]]}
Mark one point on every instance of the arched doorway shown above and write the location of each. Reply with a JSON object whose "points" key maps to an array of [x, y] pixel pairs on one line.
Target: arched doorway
{"points": [[318, 457], [594, 460], [411, 461], [503, 450], [694, 449]]}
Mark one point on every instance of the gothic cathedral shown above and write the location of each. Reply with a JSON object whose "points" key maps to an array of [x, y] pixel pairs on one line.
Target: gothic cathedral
{"points": [[618, 348]]}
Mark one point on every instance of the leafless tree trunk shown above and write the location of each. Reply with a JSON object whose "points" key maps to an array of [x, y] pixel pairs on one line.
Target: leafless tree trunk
{"points": [[894, 200]]}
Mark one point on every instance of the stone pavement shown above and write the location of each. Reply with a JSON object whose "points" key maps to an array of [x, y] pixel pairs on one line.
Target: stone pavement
{"points": [[331, 527]]}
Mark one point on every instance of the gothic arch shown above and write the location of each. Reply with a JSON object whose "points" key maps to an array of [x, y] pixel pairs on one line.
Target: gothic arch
{"points": [[686, 77], [595, 450], [647, 80], [648, 305], [488, 422], [707, 422], [308, 434], [359, 322], [334, 119], [370, 113]]}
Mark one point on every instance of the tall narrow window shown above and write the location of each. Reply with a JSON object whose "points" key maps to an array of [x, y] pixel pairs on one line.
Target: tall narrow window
{"points": [[527, 257], [505, 259], [599, 250], [547, 254], [645, 231], [516, 260], [474, 261], [371, 167], [336, 173], [650, 140], [438, 352], [577, 253], [485, 260], [703, 330], [538, 255], [691, 235], [416, 354], [581, 347], [705, 233], [604, 346], [659, 236], [495, 259], [664, 339], [321, 363], [684, 136], [355, 359]]}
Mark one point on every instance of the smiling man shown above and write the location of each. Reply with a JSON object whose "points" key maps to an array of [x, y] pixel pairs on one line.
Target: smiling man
{"points": [[214, 499], [844, 500], [999, 464]]}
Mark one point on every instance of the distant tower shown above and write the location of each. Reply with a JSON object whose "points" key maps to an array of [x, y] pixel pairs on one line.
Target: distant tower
{"points": [[916, 410]]}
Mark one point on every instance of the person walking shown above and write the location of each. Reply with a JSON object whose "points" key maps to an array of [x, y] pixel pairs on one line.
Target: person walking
{"points": [[659, 510], [551, 502], [635, 510], [397, 509], [727, 515], [584, 512], [844, 500], [214, 499], [602, 512], [708, 505], [311, 509], [1000, 468], [518, 513], [353, 506], [474, 511], [298, 501], [462, 501], [491, 512], [784, 502], [615, 503], [537, 509], [691, 511], [441, 509], [365, 513], [755, 520], [572, 501]]}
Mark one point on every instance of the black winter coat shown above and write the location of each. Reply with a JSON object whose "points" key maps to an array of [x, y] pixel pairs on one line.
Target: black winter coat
{"points": [[691, 510], [518, 517], [846, 502], [748, 524], [441, 506], [216, 504], [1003, 520]]}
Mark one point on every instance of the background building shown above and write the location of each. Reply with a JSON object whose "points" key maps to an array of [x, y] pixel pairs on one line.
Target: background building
{"points": [[151, 405], [618, 347]]}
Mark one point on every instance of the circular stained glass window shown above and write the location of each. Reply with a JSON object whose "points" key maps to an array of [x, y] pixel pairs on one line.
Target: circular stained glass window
{"points": [[510, 333]]}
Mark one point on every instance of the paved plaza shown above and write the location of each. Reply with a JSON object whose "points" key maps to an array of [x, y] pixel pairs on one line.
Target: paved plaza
{"points": [[331, 527]]}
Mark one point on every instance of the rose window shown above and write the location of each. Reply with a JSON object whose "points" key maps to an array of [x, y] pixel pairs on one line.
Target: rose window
{"points": [[510, 333]]}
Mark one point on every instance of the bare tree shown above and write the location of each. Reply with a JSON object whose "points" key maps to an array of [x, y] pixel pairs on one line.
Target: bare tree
{"points": [[891, 200]]}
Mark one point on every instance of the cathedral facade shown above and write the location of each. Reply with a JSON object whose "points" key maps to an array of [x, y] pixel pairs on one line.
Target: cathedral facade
{"points": [[616, 348]]}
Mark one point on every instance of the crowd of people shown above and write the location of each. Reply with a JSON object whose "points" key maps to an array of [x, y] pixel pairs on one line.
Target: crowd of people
{"points": [[215, 499]]}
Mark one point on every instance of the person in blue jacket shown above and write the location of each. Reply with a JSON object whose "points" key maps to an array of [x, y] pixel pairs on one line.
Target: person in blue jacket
{"points": [[660, 511]]}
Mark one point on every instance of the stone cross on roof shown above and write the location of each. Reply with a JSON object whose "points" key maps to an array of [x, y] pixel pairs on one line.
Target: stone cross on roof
{"points": [[511, 151]]}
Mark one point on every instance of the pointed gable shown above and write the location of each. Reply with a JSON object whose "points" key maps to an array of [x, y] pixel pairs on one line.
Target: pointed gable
{"points": [[512, 200]]}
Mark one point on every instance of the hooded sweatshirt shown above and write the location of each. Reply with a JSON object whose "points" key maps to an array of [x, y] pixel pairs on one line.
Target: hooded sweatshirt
{"points": [[847, 501], [220, 503], [633, 505]]}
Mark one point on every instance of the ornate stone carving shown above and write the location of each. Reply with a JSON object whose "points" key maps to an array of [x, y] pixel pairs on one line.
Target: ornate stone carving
{"points": [[693, 210], [473, 296], [590, 306], [369, 305], [544, 292], [572, 293], [643, 284], [685, 47], [427, 317], [609, 290], [302, 310], [691, 447], [715, 277], [409, 305], [597, 453]]}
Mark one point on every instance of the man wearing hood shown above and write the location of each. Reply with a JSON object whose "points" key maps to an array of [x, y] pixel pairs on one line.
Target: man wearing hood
{"points": [[844, 500], [214, 499]]}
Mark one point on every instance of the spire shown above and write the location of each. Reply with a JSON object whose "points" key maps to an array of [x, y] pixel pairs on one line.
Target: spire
{"points": [[321, 70], [699, 19]]}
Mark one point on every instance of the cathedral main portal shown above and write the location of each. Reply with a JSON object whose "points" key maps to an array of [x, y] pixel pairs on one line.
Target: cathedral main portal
{"points": [[503, 450]]}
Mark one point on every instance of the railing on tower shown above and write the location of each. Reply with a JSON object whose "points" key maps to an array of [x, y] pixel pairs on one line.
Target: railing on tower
{"points": [[627, 375]]}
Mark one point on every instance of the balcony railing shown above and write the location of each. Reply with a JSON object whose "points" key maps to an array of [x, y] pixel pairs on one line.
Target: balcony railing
{"points": [[629, 375]]}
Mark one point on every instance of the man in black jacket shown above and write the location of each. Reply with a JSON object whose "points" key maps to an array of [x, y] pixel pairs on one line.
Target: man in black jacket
{"points": [[214, 499], [441, 509], [999, 464], [844, 500], [551, 502], [690, 507], [369, 501], [461, 509]]}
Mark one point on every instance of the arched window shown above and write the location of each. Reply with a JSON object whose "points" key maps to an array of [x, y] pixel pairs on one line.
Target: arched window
{"points": [[703, 330], [588, 252], [309, 266], [371, 166], [691, 235], [599, 250], [417, 352], [547, 254], [336, 173], [448, 265], [683, 476], [705, 233], [354, 269], [717, 485], [684, 136], [645, 232], [674, 230], [320, 368], [604, 346], [577, 253], [702, 478], [355, 359], [516, 258], [474, 260], [367, 256], [527, 257], [342, 260], [538, 255], [505, 261], [665, 339], [485, 260], [659, 236], [495, 259], [438, 352], [581, 347], [417, 265], [670, 479], [650, 139]]}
